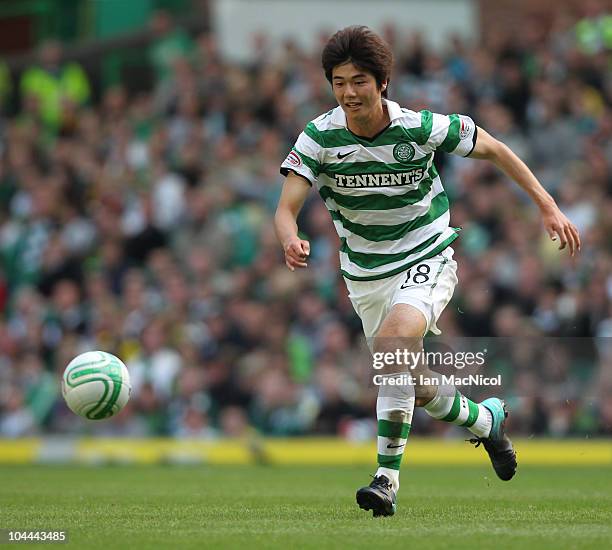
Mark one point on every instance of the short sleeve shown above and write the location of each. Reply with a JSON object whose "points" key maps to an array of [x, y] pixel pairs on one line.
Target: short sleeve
{"points": [[303, 159], [453, 134]]}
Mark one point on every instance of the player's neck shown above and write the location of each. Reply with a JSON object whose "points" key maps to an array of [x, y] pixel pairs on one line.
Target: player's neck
{"points": [[371, 124]]}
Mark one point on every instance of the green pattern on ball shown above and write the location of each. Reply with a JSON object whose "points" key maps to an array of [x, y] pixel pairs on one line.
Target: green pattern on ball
{"points": [[111, 370]]}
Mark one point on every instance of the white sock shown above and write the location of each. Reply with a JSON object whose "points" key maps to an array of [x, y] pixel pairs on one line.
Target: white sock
{"points": [[394, 408], [449, 405], [391, 475]]}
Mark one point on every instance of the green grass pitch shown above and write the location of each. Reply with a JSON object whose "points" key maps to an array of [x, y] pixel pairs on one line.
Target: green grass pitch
{"points": [[308, 507]]}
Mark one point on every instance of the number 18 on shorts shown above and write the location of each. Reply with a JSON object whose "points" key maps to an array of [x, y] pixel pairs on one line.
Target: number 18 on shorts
{"points": [[428, 286]]}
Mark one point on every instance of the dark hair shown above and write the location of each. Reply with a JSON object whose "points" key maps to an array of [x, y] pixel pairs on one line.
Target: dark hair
{"points": [[363, 48]]}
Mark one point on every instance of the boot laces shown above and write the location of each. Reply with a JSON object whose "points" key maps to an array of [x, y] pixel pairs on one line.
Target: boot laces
{"points": [[476, 441], [381, 481]]}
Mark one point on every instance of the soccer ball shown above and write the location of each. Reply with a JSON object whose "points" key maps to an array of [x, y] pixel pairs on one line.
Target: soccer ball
{"points": [[96, 385]]}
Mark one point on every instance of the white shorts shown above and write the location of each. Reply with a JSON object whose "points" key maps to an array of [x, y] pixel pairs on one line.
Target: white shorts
{"points": [[428, 286]]}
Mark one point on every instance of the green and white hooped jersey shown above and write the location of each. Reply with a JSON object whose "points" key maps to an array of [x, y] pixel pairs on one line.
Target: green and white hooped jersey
{"points": [[384, 194]]}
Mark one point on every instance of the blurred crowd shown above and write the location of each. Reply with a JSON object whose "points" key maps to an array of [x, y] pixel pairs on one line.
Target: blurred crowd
{"points": [[142, 225]]}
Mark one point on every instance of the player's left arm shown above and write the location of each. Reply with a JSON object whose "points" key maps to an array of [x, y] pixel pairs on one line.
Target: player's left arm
{"points": [[555, 222]]}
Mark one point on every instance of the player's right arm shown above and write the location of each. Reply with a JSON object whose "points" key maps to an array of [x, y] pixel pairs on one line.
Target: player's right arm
{"points": [[301, 170], [294, 193]]}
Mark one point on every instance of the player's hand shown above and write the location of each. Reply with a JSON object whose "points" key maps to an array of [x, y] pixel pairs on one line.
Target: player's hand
{"points": [[559, 227], [296, 253]]}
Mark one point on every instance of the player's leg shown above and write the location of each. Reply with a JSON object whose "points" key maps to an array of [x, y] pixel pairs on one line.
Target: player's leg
{"points": [[401, 330], [449, 405], [429, 287], [486, 420], [443, 402]]}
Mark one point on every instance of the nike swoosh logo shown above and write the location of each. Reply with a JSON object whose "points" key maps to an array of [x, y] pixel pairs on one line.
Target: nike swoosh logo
{"points": [[389, 446], [341, 156]]}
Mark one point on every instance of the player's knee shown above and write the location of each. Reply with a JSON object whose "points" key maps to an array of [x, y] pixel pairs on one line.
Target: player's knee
{"points": [[396, 329], [396, 336], [424, 391], [424, 399], [398, 353], [403, 322]]}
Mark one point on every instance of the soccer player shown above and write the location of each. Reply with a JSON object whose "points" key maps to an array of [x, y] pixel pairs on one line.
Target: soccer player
{"points": [[372, 163]]}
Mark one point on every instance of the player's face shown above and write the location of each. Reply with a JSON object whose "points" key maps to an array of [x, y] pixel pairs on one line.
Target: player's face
{"points": [[356, 91]]}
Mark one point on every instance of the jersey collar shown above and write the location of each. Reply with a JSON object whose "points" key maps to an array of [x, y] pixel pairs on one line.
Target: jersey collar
{"points": [[339, 117]]}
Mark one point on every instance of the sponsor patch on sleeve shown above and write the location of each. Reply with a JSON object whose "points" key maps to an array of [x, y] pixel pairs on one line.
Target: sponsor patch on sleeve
{"points": [[467, 127], [294, 159]]}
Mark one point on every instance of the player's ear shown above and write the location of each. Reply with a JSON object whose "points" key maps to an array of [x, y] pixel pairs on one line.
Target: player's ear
{"points": [[383, 88]]}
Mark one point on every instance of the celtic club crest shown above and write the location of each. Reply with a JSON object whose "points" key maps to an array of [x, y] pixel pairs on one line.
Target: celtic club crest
{"points": [[403, 152]]}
